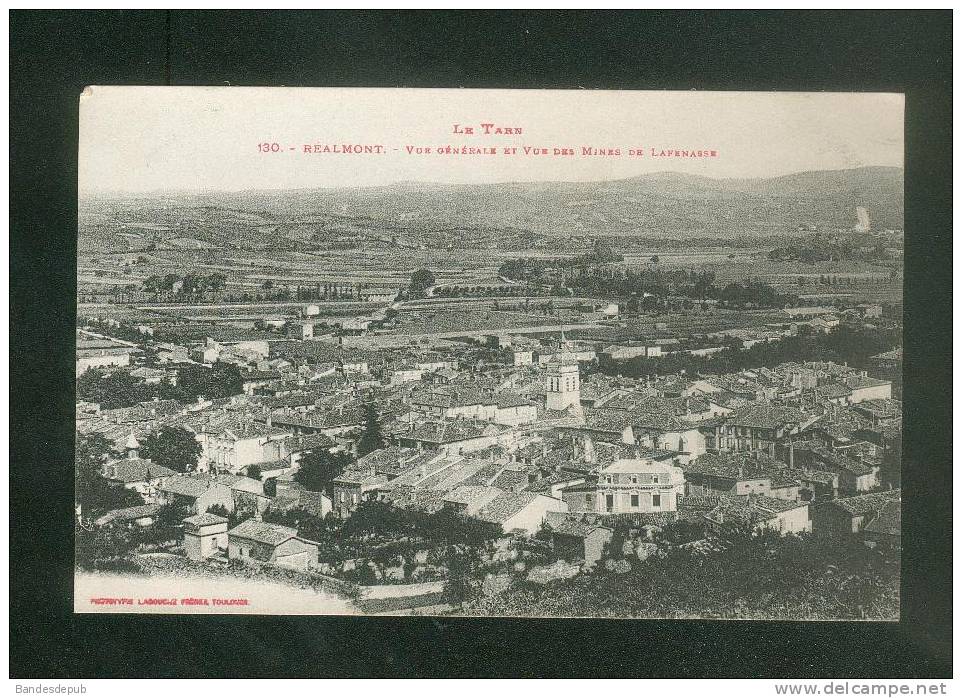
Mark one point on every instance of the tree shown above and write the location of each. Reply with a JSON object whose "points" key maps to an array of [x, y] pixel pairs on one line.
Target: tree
{"points": [[319, 467], [93, 493], [154, 284], [219, 381], [270, 487], [217, 281], [113, 390], [463, 568], [97, 547], [174, 448], [372, 439], [421, 280]]}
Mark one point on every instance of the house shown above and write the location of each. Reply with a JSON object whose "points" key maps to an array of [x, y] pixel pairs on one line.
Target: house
{"points": [[314, 503], [351, 486], [629, 486], [243, 443], [248, 493], [850, 515], [657, 430], [761, 513], [854, 474], [198, 492], [519, 511], [499, 407], [608, 425], [149, 376], [865, 388], [760, 427], [885, 531], [101, 353], [254, 381], [731, 474], [470, 499], [406, 374], [168, 353], [204, 535], [575, 538], [135, 473], [257, 542], [330, 421], [139, 474], [206, 353], [349, 365], [143, 516], [455, 436], [523, 357], [436, 362]]}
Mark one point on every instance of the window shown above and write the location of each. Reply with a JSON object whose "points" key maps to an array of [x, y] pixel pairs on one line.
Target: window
{"points": [[654, 479], [634, 479], [656, 500], [634, 500], [588, 500], [608, 479], [341, 496]]}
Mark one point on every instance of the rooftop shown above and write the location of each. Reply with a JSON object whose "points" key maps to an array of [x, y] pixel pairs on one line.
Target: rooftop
{"points": [[270, 534]]}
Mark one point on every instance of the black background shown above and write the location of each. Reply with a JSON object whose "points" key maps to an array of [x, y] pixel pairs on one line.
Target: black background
{"points": [[54, 54]]}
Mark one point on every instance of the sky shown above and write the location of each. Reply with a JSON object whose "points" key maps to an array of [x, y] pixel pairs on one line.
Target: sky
{"points": [[172, 139]]}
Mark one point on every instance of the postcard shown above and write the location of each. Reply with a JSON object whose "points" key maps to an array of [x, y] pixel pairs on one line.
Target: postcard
{"points": [[571, 353]]}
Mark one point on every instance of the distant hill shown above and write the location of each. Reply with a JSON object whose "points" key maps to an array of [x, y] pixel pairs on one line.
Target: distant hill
{"points": [[656, 205]]}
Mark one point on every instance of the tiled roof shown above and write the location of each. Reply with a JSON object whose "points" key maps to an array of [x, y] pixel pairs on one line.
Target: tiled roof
{"points": [[577, 527], [832, 390], [511, 480], [506, 506], [189, 486], [249, 485], [314, 503], [753, 508], [308, 442], [360, 476], [611, 421], [889, 520], [734, 466], [637, 465], [467, 494], [129, 514], [450, 431], [766, 416], [205, 519], [271, 534], [865, 503], [880, 408], [135, 470], [322, 418], [856, 382]]}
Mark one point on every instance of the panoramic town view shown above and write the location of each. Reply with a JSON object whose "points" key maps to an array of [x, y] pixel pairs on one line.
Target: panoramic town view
{"points": [[496, 420], [659, 396]]}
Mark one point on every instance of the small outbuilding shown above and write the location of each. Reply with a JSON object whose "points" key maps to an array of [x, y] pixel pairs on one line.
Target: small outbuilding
{"points": [[204, 535]]}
